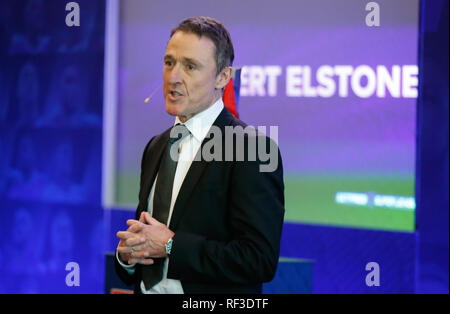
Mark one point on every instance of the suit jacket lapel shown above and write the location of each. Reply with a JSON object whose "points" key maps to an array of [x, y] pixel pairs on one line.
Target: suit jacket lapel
{"points": [[195, 171], [157, 147]]}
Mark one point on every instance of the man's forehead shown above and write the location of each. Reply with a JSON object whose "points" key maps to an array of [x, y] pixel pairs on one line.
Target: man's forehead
{"points": [[190, 46]]}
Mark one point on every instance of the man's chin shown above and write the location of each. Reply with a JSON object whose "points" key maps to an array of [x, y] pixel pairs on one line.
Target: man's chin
{"points": [[174, 110]]}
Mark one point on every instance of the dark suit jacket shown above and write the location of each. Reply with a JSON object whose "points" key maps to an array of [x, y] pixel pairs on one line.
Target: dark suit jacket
{"points": [[227, 220]]}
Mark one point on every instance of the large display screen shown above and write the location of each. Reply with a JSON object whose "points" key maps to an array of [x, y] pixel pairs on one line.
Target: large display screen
{"points": [[338, 78]]}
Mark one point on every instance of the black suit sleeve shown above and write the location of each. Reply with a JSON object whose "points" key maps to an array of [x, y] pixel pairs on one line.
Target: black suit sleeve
{"points": [[256, 213]]}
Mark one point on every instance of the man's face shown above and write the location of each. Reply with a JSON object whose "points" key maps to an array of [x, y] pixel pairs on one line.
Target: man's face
{"points": [[190, 81]]}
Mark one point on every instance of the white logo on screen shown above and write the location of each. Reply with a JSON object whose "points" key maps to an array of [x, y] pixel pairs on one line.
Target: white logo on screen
{"points": [[373, 17], [73, 277], [363, 81], [73, 17], [373, 277]]}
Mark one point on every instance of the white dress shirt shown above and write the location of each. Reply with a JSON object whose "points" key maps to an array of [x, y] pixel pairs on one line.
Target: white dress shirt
{"points": [[198, 125]]}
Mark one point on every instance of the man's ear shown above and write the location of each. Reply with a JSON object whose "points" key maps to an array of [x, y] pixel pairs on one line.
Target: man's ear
{"points": [[223, 77]]}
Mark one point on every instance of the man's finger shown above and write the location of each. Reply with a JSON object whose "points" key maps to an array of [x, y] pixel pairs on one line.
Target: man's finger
{"points": [[140, 254], [143, 261], [136, 248], [135, 242], [131, 222], [124, 250], [150, 220], [136, 227], [124, 235], [142, 217], [135, 251]]}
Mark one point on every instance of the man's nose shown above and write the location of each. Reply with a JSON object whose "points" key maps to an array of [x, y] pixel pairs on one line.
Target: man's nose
{"points": [[175, 75]]}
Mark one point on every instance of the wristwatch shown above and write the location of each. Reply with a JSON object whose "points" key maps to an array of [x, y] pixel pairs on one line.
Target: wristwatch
{"points": [[169, 246]]}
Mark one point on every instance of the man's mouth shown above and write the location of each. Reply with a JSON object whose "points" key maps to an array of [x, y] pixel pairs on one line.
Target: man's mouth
{"points": [[174, 96], [175, 93]]}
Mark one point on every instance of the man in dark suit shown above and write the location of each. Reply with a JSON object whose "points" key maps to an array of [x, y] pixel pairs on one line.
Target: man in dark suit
{"points": [[210, 213]]}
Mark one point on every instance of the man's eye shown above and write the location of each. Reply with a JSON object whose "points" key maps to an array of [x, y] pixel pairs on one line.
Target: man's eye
{"points": [[191, 67], [168, 63]]}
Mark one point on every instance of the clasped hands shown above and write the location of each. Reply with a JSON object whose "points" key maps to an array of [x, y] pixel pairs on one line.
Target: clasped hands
{"points": [[144, 240]]}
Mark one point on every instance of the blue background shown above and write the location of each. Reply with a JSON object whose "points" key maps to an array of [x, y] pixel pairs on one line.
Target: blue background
{"points": [[51, 95]]}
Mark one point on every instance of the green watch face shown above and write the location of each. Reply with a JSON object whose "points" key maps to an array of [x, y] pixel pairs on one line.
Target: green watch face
{"points": [[169, 246]]}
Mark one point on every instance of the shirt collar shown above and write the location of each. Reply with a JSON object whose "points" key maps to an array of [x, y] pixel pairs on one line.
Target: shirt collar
{"points": [[200, 124]]}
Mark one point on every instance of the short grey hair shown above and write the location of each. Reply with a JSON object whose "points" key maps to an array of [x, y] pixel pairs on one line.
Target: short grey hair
{"points": [[214, 30]]}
